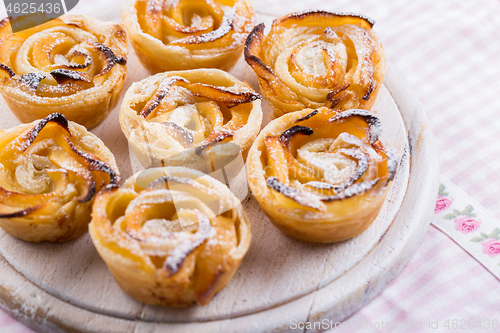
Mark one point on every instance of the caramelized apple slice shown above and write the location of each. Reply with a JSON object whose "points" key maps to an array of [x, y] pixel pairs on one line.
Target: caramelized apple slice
{"points": [[30, 81], [270, 80], [296, 170], [217, 94], [276, 160], [175, 261], [325, 178], [315, 17], [152, 23], [64, 76], [222, 31], [160, 94], [167, 224], [180, 117], [49, 179], [302, 198], [47, 47], [317, 59], [17, 199]]}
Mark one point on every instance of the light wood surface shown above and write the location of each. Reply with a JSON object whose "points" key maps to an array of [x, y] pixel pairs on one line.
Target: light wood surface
{"points": [[67, 287]]}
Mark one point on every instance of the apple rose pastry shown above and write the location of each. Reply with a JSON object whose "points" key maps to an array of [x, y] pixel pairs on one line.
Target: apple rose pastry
{"points": [[200, 119], [171, 236], [188, 34], [74, 65], [323, 175], [50, 171], [317, 59]]}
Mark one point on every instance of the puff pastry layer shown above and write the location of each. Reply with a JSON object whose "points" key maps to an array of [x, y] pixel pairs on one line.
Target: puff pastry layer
{"points": [[50, 171], [188, 34], [200, 118], [317, 59], [73, 65], [171, 236], [321, 175]]}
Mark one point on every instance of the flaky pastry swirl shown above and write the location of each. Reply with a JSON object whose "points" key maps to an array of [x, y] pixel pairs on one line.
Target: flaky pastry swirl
{"points": [[73, 65], [171, 236], [317, 59], [50, 171], [188, 34], [198, 118], [321, 175]]}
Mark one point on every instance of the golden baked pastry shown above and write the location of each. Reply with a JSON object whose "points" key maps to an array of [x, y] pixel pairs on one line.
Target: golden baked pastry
{"points": [[321, 175], [317, 59], [73, 65], [171, 236], [188, 34], [200, 118], [50, 171]]}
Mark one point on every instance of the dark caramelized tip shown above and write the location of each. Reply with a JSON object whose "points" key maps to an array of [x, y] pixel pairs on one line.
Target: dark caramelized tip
{"points": [[20, 213], [301, 15], [110, 57], [7, 69], [289, 133], [368, 94], [295, 195], [121, 60], [57, 118], [258, 29], [351, 191], [373, 122], [312, 114], [160, 94], [63, 76], [95, 164]]}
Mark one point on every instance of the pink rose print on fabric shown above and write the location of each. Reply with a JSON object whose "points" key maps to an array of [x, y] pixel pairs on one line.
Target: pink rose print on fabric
{"points": [[490, 243], [464, 220], [443, 202], [466, 224], [491, 247]]}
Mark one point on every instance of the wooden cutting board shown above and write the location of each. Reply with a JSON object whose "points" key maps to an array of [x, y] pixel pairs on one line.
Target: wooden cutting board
{"points": [[67, 287]]}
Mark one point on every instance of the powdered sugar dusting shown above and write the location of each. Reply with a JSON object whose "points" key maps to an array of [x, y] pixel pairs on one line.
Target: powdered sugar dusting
{"points": [[32, 80], [225, 27]]}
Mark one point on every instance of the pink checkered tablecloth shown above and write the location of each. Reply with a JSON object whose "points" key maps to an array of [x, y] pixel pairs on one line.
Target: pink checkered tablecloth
{"points": [[449, 52]]}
